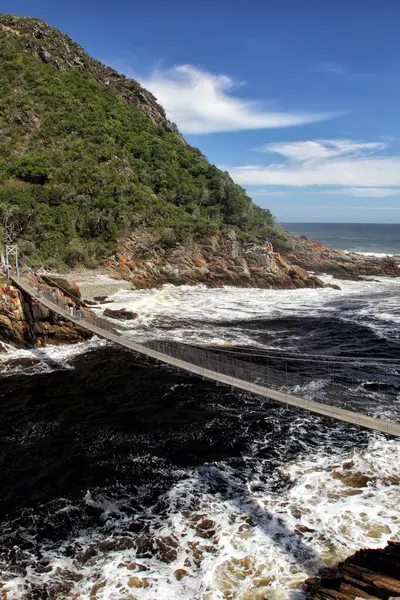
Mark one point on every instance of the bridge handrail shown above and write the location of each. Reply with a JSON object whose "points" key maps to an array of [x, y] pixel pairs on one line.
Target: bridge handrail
{"points": [[227, 370]]}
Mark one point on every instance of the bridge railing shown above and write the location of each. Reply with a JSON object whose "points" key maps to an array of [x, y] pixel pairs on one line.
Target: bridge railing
{"points": [[338, 383], [288, 375], [230, 365], [54, 297]]}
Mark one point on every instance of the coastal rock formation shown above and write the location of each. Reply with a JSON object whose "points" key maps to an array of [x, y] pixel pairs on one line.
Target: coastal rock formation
{"points": [[314, 256], [24, 322], [373, 574], [121, 314], [215, 261]]}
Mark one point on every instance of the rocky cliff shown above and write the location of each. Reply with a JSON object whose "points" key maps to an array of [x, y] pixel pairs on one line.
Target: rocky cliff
{"points": [[216, 261], [24, 322]]}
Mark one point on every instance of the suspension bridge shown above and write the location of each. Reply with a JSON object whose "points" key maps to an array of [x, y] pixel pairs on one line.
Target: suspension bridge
{"points": [[258, 376]]}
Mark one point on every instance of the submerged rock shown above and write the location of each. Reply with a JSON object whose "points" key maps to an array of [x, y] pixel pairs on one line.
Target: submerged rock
{"points": [[122, 314]]}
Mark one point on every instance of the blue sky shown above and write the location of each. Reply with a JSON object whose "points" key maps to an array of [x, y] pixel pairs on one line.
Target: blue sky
{"points": [[297, 99]]}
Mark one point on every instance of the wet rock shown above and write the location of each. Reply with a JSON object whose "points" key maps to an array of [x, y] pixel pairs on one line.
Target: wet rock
{"points": [[89, 303], [102, 300], [373, 574], [180, 574], [138, 582], [351, 479], [167, 549], [205, 529], [122, 314]]}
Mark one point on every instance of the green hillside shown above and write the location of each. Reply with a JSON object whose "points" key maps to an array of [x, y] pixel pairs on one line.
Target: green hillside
{"points": [[87, 156]]}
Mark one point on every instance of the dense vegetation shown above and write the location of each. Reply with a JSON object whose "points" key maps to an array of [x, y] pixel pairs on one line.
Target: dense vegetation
{"points": [[82, 164]]}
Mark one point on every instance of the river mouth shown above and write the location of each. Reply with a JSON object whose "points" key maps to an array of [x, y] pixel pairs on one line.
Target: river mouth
{"points": [[122, 478]]}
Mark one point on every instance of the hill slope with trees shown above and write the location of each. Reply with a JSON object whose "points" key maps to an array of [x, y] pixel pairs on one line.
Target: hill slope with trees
{"points": [[87, 156]]}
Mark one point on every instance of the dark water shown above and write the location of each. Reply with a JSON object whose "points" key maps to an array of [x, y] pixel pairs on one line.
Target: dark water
{"points": [[355, 237], [99, 457]]}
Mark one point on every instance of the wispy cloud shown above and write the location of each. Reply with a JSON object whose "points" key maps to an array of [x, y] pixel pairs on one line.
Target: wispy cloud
{"points": [[367, 192], [322, 149], [272, 192], [201, 102], [339, 70], [326, 66], [377, 207], [343, 163]]}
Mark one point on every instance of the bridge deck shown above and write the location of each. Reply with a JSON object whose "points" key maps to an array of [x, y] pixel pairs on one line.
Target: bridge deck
{"points": [[110, 334]]}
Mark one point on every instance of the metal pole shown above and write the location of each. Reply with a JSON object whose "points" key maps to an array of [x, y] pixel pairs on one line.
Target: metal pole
{"points": [[16, 260], [7, 263]]}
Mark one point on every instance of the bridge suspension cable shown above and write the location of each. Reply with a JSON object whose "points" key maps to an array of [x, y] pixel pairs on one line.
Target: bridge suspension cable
{"points": [[263, 380]]}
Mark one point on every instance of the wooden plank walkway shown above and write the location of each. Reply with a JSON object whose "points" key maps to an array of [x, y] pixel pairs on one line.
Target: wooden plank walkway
{"points": [[315, 407]]}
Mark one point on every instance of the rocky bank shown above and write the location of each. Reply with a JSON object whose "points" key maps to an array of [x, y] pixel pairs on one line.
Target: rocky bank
{"points": [[373, 574], [215, 261], [144, 261], [314, 256], [24, 322]]}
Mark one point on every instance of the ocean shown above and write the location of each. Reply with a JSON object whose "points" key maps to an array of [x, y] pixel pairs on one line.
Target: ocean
{"points": [[353, 237], [125, 479]]}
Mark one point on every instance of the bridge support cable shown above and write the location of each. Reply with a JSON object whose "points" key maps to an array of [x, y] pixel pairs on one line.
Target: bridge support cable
{"points": [[265, 376]]}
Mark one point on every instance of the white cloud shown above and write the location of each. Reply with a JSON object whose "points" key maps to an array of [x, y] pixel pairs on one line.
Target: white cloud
{"points": [[269, 192], [201, 102], [322, 149], [378, 207], [344, 163], [367, 192]]}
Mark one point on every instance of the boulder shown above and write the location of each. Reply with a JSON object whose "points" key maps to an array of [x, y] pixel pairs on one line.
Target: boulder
{"points": [[371, 573], [121, 314], [65, 285]]}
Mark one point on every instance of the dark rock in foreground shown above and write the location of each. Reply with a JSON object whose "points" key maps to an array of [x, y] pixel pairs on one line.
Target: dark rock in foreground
{"points": [[367, 574]]}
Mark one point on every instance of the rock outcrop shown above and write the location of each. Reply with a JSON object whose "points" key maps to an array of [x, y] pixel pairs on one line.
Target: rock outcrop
{"points": [[24, 322], [216, 261], [64, 285], [373, 574], [314, 256], [120, 314]]}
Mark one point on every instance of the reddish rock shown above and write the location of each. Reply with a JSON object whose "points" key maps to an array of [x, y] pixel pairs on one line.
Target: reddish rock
{"points": [[24, 322], [216, 261]]}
